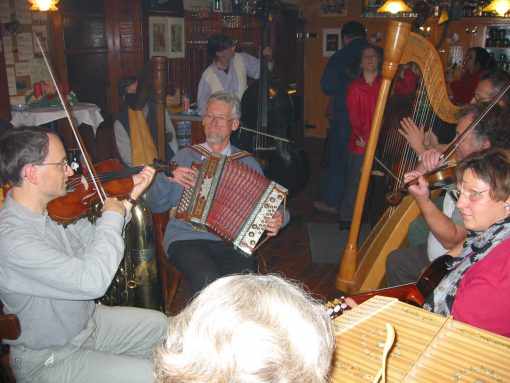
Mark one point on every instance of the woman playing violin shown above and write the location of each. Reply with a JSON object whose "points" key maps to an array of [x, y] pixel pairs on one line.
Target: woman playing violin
{"points": [[477, 288]]}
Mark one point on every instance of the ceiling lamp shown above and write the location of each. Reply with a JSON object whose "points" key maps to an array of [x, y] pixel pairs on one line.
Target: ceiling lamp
{"points": [[394, 6], [501, 7], [43, 5]]}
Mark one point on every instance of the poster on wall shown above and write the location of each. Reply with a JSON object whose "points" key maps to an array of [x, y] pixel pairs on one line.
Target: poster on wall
{"points": [[176, 29], [166, 36], [333, 8], [331, 41]]}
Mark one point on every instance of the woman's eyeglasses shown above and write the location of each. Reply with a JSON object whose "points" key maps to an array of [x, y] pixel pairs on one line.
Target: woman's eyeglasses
{"points": [[472, 195]]}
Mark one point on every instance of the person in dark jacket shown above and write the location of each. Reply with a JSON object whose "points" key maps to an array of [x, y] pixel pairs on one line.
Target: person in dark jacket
{"points": [[334, 82]]}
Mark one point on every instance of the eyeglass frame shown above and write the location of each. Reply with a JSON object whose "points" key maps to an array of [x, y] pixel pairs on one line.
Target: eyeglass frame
{"points": [[472, 196], [211, 119], [64, 164]]}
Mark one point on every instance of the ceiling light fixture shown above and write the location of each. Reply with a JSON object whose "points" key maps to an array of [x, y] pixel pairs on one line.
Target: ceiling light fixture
{"points": [[394, 6], [43, 5]]}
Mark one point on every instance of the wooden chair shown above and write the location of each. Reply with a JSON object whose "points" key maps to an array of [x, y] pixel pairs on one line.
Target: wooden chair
{"points": [[9, 329], [170, 276]]}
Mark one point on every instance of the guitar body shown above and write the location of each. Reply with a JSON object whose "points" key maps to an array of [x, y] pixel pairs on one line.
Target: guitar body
{"points": [[411, 293]]}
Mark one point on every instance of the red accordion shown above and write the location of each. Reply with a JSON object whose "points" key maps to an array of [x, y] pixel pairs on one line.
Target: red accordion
{"points": [[231, 200]]}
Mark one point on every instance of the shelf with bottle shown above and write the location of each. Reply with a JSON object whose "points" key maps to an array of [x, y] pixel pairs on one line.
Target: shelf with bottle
{"points": [[497, 44]]}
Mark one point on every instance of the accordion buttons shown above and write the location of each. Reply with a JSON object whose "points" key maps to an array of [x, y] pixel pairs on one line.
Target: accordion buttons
{"points": [[252, 243], [251, 234]]}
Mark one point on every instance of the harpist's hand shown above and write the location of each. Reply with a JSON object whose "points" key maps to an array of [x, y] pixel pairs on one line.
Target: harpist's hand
{"points": [[274, 224], [413, 134], [185, 177]]}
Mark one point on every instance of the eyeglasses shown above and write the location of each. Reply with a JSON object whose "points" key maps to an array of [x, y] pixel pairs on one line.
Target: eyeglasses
{"points": [[472, 195], [220, 120], [64, 164]]}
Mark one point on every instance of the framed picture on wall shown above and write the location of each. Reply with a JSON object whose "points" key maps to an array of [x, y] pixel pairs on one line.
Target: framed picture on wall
{"points": [[170, 7], [335, 8], [331, 41], [166, 36], [177, 43], [159, 36]]}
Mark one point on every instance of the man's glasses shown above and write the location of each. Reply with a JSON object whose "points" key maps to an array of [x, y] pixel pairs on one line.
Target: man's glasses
{"points": [[220, 120], [64, 164]]}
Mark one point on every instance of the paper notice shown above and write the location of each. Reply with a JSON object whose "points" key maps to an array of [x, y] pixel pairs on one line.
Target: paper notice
{"points": [[11, 81], [25, 46]]}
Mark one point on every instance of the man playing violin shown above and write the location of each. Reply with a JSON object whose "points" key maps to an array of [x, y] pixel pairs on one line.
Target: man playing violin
{"points": [[446, 230], [50, 274], [203, 256]]}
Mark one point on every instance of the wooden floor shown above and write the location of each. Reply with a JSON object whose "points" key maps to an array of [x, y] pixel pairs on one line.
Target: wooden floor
{"points": [[288, 254]]}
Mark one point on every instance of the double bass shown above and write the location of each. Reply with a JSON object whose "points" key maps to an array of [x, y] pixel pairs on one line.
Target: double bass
{"points": [[268, 122]]}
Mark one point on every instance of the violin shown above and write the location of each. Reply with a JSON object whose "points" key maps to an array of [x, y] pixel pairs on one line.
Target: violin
{"points": [[439, 178], [444, 175], [82, 198], [86, 193]]}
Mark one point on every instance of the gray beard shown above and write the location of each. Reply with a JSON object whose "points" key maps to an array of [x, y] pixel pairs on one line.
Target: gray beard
{"points": [[214, 139]]}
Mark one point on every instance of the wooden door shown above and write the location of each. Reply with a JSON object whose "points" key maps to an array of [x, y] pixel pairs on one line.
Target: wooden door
{"points": [[5, 108], [96, 43]]}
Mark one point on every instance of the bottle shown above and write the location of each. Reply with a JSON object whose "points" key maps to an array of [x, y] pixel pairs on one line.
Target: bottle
{"points": [[217, 6], [185, 103]]}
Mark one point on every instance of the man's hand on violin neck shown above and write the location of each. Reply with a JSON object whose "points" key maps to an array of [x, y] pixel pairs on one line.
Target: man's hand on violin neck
{"points": [[141, 181], [429, 160], [184, 176], [113, 204]]}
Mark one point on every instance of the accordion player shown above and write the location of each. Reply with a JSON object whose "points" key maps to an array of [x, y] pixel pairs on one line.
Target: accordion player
{"points": [[231, 200]]}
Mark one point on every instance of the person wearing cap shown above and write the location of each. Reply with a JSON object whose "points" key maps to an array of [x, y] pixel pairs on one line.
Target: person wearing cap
{"points": [[229, 69]]}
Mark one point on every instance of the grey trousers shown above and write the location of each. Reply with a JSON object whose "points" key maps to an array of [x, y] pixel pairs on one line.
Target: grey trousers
{"points": [[116, 346], [406, 265]]}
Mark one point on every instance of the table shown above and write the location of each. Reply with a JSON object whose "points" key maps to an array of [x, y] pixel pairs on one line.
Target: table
{"points": [[84, 113]]}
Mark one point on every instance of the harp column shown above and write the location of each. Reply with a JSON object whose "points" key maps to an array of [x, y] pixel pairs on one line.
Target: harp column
{"points": [[159, 66]]}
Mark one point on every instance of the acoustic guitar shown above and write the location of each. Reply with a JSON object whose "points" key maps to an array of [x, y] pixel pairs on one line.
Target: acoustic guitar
{"points": [[412, 293]]}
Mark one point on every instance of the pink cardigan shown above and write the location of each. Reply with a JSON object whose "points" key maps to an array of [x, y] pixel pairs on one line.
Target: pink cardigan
{"points": [[483, 296]]}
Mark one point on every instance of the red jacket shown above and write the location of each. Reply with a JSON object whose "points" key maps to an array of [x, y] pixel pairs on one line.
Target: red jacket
{"points": [[361, 100], [483, 295], [463, 89], [407, 84]]}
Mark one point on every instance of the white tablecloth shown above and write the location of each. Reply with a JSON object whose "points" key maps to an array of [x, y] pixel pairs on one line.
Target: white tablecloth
{"points": [[84, 113]]}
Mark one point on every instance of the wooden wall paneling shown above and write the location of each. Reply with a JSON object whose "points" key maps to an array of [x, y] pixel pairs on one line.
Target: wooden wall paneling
{"points": [[58, 54], [5, 107], [130, 47], [113, 60]]}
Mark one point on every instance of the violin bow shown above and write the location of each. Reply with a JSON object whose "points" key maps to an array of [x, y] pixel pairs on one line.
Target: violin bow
{"points": [[448, 152], [65, 106]]}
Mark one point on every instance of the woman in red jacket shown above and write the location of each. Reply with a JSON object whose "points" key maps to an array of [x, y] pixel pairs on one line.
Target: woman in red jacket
{"points": [[361, 100]]}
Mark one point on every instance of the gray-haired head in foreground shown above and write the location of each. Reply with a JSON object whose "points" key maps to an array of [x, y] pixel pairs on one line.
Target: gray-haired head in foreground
{"points": [[229, 98], [248, 328]]}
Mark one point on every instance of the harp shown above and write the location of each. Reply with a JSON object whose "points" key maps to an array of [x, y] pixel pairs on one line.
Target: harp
{"points": [[363, 269]]}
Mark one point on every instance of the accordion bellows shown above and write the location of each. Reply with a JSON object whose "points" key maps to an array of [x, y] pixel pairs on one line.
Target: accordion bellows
{"points": [[231, 200]]}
